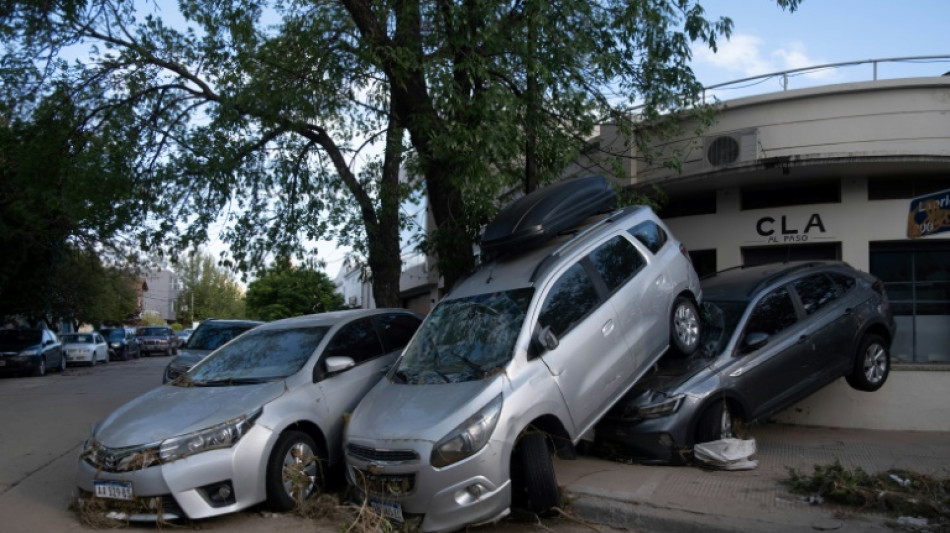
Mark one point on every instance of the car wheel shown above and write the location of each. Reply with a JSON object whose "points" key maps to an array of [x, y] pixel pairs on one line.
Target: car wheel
{"points": [[40, 370], [294, 471], [533, 479], [62, 364], [92, 360], [716, 423], [106, 360], [872, 364], [684, 326]]}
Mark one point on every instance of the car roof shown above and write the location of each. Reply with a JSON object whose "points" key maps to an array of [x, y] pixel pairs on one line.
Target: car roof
{"points": [[743, 282], [522, 269], [331, 318], [227, 321]]}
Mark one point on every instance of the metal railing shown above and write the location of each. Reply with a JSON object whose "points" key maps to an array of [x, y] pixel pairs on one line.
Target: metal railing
{"points": [[785, 75]]}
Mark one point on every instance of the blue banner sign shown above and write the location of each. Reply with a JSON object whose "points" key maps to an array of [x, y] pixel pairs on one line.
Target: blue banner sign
{"points": [[929, 214]]}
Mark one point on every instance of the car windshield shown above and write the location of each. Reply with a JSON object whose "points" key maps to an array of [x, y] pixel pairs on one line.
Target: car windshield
{"points": [[719, 322], [113, 334], [76, 338], [263, 355], [212, 337], [152, 332], [19, 338], [466, 339]]}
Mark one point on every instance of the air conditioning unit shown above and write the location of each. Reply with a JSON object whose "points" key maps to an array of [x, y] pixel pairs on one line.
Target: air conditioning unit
{"points": [[730, 148]]}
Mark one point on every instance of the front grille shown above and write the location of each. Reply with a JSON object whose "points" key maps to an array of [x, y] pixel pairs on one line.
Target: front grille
{"points": [[121, 459], [387, 486], [381, 456]]}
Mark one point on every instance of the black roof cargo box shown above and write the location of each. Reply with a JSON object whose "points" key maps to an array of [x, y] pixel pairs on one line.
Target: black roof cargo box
{"points": [[546, 212]]}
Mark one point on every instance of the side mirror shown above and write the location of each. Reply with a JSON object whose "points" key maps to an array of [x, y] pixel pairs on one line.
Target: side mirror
{"points": [[545, 340], [754, 341], [336, 363]]}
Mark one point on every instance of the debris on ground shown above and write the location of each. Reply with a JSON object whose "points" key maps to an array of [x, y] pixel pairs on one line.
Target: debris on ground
{"points": [[916, 501]]}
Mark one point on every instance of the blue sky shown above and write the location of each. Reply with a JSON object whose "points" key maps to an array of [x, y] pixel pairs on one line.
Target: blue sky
{"points": [[767, 39]]}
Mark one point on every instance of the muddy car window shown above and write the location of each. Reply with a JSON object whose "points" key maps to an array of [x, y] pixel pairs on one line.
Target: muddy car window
{"points": [[617, 261], [465, 339], [816, 292], [259, 356], [572, 297], [845, 283], [357, 340], [773, 313], [396, 329], [651, 235]]}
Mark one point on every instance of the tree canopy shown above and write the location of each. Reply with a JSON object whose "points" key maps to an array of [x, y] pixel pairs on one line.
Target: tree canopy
{"points": [[293, 120], [284, 291], [207, 290]]}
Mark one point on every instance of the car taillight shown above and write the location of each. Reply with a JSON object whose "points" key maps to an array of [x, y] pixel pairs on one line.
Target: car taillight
{"points": [[685, 252]]}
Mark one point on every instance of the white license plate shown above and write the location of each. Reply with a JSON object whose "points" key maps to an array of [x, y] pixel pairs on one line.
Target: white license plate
{"points": [[114, 490], [390, 510]]}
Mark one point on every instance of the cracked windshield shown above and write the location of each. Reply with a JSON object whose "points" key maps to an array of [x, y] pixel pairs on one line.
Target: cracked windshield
{"points": [[257, 357], [466, 339]]}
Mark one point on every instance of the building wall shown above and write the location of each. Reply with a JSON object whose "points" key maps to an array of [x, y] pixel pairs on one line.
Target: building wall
{"points": [[848, 134], [162, 294]]}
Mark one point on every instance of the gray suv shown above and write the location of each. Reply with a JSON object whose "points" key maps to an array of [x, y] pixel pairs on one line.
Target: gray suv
{"points": [[520, 360]]}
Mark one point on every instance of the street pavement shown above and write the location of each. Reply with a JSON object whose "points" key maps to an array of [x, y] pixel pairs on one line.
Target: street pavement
{"points": [[692, 499]]}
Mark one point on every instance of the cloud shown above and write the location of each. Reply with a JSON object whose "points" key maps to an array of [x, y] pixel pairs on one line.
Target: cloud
{"points": [[745, 55]]}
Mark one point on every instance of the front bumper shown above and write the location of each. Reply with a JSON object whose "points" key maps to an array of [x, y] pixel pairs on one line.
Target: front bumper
{"points": [[654, 441], [473, 491], [19, 364], [79, 357], [192, 486]]}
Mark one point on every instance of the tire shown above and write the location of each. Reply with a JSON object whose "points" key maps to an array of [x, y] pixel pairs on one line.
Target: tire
{"points": [[294, 455], [106, 361], [685, 327], [92, 361], [716, 423], [533, 478], [872, 364], [40, 370], [62, 364]]}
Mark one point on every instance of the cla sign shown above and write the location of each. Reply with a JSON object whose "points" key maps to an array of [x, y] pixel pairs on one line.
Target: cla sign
{"points": [[765, 227]]}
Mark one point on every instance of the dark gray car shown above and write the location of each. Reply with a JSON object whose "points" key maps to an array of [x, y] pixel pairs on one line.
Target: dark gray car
{"points": [[210, 335], [772, 335]]}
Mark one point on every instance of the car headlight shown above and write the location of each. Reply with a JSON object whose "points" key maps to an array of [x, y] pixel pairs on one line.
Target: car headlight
{"points": [[469, 437], [222, 435], [664, 407], [115, 345]]}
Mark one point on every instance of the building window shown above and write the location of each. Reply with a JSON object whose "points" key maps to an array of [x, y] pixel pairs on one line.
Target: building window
{"points": [[703, 203], [916, 276], [903, 187], [780, 195], [760, 255], [704, 261]]}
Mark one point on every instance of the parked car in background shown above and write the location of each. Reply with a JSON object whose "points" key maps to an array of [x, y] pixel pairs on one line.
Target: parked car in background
{"points": [[773, 335], [86, 348], [258, 420], [183, 336], [522, 358], [157, 339], [210, 335], [122, 342], [30, 351]]}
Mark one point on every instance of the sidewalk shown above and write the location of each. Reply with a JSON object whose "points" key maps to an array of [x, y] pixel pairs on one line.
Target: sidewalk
{"points": [[687, 498]]}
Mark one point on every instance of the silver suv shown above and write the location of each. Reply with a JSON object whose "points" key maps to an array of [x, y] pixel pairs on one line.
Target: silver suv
{"points": [[519, 361]]}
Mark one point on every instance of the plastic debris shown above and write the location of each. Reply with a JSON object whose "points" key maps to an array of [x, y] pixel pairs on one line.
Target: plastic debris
{"points": [[727, 454]]}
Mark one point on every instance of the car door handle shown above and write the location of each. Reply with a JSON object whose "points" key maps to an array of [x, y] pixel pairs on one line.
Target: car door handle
{"points": [[608, 327], [802, 339]]}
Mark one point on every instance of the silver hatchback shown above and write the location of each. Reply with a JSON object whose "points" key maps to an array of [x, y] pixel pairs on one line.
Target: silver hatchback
{"points": [[518, 361], [258, 420]]}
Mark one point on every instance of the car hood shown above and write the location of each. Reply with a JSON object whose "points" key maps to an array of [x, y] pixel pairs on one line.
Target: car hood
{"points": [[18, 347], [396, 411], [169, 411]]}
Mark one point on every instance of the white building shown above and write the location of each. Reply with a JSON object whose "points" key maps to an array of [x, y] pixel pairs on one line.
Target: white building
{"points": [[160, 292]]}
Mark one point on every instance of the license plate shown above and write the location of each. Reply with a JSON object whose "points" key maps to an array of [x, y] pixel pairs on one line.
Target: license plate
{"points": [[390, 510], [114, 490]]}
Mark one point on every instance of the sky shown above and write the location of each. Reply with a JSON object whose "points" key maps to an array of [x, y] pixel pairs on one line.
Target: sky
{"points": [[766, 39]]}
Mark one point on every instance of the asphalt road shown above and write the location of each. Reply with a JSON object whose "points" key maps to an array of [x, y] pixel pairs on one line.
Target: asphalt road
{"points": [[43, 421]]}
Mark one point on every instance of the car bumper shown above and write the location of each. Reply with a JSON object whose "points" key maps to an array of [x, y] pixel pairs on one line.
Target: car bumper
{"points": [[471, 492], [19, 364], [79, 358], [660, 440], [191, 487]]}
